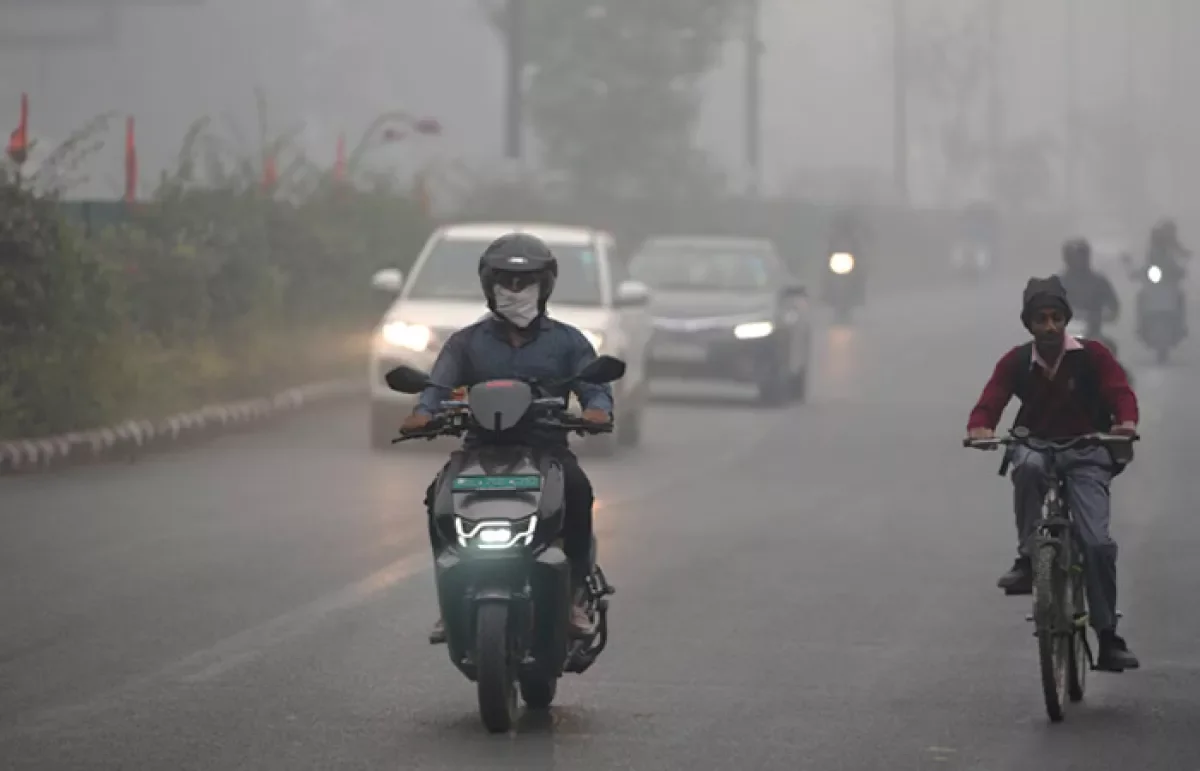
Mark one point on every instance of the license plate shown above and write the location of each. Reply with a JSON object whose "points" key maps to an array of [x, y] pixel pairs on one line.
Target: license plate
{"points": [[680, 352], [473, 484]]}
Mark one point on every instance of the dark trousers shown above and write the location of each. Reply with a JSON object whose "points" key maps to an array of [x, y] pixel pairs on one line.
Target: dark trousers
{"points": [[577, 521]]}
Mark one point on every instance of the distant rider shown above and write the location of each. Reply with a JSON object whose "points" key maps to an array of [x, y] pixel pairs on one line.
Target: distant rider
{"points": [[1067, 387], [518, 273], [1089, 291], [1168, 253]]}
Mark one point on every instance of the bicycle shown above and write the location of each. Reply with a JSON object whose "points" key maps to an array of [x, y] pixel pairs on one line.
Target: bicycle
{"points": [[1060, 613]]}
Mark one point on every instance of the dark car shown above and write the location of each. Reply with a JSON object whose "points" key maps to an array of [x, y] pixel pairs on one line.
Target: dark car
{"points": [[726, 309]]}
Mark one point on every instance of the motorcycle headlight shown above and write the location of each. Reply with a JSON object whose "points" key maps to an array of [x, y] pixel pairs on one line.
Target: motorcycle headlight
{"points": [[753, 330], [414, 337], [1154, 273], [841, 263], [492, 535]]}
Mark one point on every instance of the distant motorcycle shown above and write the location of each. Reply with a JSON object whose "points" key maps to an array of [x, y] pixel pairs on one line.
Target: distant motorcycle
{"points": [[844, 285], [971, 261], [1160, 313]]}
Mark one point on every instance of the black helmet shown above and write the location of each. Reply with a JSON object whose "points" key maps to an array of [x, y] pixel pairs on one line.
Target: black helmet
{"points": [[516, 260], [1077, 254]]}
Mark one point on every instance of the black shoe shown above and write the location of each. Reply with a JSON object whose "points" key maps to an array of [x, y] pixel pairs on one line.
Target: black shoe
{"points": [[437, 635], [1115, 655], [1019, 578]]}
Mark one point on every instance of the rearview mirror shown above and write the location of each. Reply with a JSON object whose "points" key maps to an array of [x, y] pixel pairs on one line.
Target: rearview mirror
{"points": [[601, 370], [632, 293], [795, 290], [407, 380], [388, 280]]}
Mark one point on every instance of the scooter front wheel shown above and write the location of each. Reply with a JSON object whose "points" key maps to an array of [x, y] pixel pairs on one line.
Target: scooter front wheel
{"points": [[495, 668]]}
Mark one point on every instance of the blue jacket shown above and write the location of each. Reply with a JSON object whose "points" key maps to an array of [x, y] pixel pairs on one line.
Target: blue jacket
{"points": [[483, 351]]}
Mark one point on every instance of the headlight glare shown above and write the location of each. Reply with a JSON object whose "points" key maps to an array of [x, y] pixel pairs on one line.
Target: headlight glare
{"points": [[414, 337], [595, 338], [841, 263], [753, 330]]}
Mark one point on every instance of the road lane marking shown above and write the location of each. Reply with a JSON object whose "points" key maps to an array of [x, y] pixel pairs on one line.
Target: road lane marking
{"points": [[251, 644]]}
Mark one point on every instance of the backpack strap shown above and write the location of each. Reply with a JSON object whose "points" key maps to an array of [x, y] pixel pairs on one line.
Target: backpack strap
{"points": [[1020, 375]]}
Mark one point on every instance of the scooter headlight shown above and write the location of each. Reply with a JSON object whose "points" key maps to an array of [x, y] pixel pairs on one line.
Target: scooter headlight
{"points": [[1154, 273], [496, 534], [841, 263]]}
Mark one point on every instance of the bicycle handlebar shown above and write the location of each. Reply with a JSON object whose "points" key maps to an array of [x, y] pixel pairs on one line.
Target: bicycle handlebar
{"points": [[441, 425], [1097, 439]]}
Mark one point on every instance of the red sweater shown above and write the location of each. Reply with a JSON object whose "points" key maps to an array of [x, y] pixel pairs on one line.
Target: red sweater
{"points": [[1055, 409]]}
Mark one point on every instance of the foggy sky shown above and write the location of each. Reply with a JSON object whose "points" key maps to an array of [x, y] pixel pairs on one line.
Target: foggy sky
{"points": [[334, 64]]}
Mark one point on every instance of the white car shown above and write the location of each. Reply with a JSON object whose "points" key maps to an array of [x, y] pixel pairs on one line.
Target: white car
{"points": [[442, 295]]}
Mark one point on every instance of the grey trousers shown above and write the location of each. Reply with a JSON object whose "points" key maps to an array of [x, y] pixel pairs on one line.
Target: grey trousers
{"points": [[1088, 497]]}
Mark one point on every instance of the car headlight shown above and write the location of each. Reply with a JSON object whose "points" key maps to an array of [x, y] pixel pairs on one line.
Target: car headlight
{"points": [[1154, 274], [841, 263], [414, 337], [753, 330], [494, 535], [595, 338]]}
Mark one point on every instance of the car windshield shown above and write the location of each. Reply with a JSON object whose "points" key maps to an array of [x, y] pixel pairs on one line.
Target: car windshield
{"points": [[704, 268], [451, 272]]}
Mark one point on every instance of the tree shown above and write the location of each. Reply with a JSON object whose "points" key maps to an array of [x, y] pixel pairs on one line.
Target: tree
{"points": [[950, 71], [613, 91]]}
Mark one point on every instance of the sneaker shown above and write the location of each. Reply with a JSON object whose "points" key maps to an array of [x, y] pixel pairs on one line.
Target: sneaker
{"points": [[1115, 655], [1019, 578]]}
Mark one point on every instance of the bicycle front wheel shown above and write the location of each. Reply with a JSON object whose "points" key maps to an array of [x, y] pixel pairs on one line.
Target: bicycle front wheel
{"points": [[1053, 636]]}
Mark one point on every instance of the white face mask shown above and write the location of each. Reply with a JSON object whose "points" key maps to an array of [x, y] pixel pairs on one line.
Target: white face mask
{"points": [[521, 308]]}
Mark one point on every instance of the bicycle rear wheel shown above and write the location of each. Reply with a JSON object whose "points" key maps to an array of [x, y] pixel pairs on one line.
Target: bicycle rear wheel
{"points": [[1053, 636]]}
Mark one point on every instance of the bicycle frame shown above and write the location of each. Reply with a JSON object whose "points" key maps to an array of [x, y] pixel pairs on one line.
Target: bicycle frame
{"points": [[1060, 610]]}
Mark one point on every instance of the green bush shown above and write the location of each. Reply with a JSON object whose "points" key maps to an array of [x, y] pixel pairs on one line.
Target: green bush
{"points": [[209, 291]]}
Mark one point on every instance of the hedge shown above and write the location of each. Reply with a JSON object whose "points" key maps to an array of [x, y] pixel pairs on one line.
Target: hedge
{"points": [[204, 293]]}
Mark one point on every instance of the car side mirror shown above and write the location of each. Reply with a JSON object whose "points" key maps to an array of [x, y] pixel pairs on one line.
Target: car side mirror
{"points": [[388, 280], [632, 294]]}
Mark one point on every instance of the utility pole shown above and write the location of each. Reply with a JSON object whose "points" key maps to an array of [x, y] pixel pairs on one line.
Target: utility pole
{"points": [[753, 88], [1175, 99], [900, 100], [1071, 147], [514, 117], [995, 108], [1135, 181]]}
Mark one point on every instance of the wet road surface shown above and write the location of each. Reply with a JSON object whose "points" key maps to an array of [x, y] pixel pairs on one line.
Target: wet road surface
{"points": [[809, 588]]}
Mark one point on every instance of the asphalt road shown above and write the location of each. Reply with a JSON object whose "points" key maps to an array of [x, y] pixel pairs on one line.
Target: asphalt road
{"points": [[810, 588]]}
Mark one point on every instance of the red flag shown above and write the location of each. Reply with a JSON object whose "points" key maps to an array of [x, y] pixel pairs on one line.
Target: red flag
{"points": [[131, 163], [270, 174], [424, 196], [18, 141], [339, 163]]}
